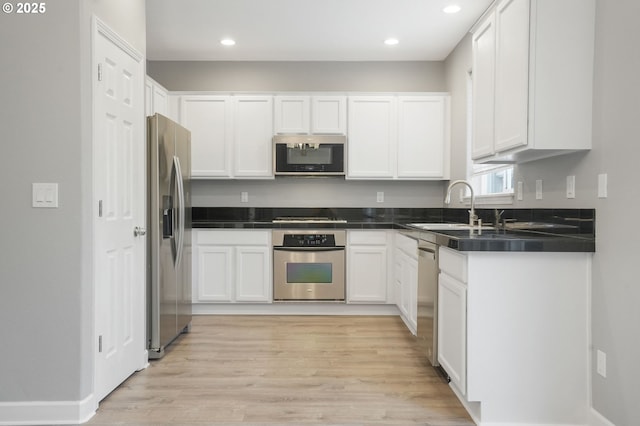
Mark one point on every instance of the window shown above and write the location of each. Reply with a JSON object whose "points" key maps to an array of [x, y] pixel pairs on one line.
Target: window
{"points": [[488, 180]]}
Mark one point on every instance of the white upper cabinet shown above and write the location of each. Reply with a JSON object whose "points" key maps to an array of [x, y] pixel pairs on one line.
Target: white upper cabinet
{"points": [[230, 135], [253, 130], [389, 136], [310, 114], [423, 137], [532, 80], [291, 114], [372, 137], [209, 118], [329, 115], [156, 98], [398, 137]]}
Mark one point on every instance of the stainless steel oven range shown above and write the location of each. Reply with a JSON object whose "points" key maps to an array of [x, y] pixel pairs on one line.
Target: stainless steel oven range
{"points": [[309, 265]]}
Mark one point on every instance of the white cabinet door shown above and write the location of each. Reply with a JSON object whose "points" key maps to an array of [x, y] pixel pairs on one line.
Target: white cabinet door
{"points": [[367, 274], [329, 115], [402, 301], [291, 114], [407, 289], [253, 130], [148, 97], [253, 272], [160, 99], [372, 137], [409, 292], [156, 98], [484, 58], [452, 329], [213, 273], [422, 137], [512, 74], [367, 265], [209, 118]]}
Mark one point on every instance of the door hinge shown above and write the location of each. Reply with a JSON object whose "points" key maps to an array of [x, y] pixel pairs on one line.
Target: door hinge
{"points": [[99, 72], [99, 343], [100, 208]]}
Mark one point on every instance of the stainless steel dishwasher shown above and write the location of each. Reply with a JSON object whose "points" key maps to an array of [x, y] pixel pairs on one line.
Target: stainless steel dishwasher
{"points": [[428, 300]]}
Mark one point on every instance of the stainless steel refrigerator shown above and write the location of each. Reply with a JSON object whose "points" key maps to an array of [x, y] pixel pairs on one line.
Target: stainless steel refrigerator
{"points": [[169, 225]]}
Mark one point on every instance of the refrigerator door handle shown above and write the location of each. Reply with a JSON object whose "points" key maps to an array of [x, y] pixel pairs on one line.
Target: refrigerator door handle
{"points": [[181, 210]]}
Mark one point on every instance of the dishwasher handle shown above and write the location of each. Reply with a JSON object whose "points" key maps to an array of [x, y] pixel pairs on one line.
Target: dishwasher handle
{"points": [[427, 252]]}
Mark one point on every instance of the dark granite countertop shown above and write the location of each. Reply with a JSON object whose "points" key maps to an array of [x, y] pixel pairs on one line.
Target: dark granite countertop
{"points": [[578, 236], [507, 240]]}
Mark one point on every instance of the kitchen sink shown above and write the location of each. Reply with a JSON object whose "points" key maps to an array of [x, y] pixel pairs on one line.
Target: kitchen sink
{"points": [[445, 226]]}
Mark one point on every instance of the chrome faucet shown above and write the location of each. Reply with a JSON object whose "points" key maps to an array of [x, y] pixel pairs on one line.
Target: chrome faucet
{"points": [[473, 218]]}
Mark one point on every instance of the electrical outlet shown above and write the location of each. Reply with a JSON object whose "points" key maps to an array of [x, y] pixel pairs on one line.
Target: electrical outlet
{"points": [[602, 185], [520, 190], [244, 197], [380, 197], [539, 189], [601, 363], [571, 187]]}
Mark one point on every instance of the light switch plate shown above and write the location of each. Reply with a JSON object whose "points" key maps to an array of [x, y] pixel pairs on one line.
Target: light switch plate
{"points": [[380, 197], [539, 189], [44, 195], [244, 197]]}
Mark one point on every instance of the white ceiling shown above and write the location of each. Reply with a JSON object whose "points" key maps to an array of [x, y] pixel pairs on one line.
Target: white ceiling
{"points": [[307, 30]]}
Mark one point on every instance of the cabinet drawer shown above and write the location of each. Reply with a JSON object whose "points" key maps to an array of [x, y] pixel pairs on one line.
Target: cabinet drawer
{"points": [[367, 237], [453, 264], [236, 237], [407, 245]]}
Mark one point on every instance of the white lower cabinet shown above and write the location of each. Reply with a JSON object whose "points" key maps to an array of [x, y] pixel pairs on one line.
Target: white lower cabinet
{"points": [[406, 280], [232, 266], [513, 334], [367, 259]]}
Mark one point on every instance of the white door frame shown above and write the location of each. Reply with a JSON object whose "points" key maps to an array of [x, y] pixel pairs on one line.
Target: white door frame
{"points": [[100, 29]]}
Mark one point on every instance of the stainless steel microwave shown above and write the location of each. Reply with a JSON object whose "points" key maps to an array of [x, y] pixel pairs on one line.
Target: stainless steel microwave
{"points": [[309, 155]]}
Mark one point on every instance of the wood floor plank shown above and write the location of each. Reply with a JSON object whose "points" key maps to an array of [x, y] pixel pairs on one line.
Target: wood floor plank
{"points": [[271, 370]]}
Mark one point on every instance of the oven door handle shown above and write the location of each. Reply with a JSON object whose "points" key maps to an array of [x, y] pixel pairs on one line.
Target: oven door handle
{"points": [[307, 249]]}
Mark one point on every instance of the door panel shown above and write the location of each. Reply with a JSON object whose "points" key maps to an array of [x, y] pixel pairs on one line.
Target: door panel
{"points": [[119, 257]]}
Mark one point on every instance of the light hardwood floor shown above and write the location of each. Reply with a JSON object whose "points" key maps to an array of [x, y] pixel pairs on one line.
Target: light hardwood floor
{"points": [[271, 370]]}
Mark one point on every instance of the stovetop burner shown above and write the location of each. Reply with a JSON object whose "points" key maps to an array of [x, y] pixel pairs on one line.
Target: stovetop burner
{"points": [[307, 219]]}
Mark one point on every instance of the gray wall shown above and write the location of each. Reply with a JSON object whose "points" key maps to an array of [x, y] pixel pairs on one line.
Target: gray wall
{"points": [[301, 192], [307, 76], [299, 76], [46, 295], [616, 126]]}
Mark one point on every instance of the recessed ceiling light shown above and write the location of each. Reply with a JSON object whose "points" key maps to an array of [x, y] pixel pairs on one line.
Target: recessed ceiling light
{"points": [[227, 42], [454, 8], [391, 41]]}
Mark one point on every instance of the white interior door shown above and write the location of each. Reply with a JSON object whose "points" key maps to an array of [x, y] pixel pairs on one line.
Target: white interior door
{"points": [[119, 195]]}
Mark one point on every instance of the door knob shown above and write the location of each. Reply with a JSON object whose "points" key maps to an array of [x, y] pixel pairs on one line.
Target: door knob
{"points": [[138, 231]]}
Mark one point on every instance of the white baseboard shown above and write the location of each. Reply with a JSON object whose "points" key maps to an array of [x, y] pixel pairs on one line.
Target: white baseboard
{"points": [[597, 419], [293, 308], [47, 412]]}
